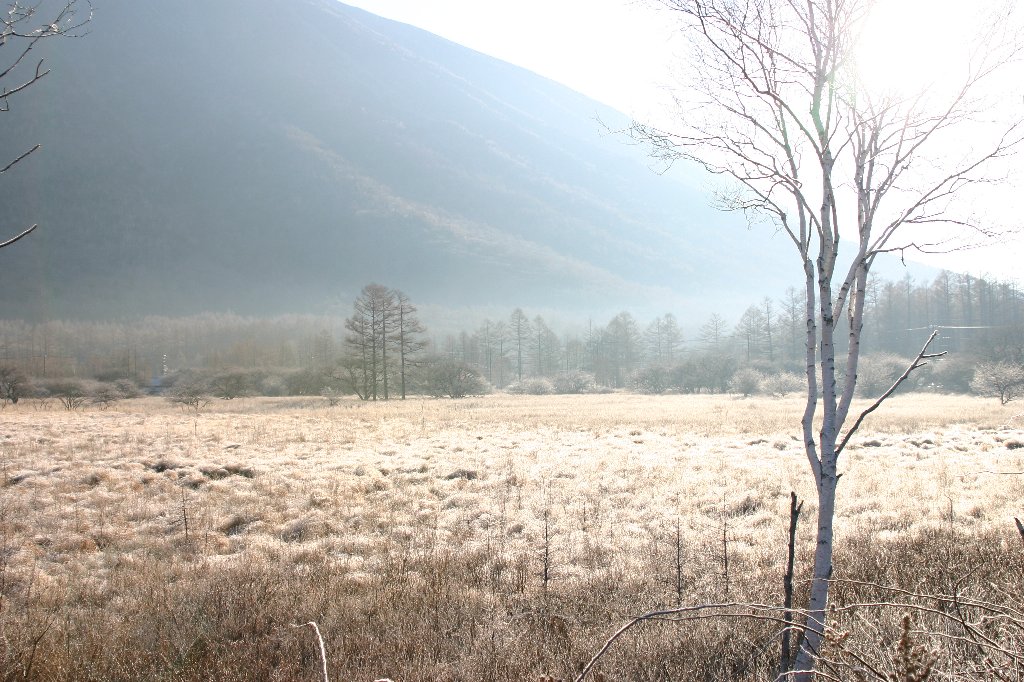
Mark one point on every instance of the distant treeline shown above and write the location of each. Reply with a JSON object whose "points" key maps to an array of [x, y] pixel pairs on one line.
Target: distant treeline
{"points": [[383, 351], [979, 321]]}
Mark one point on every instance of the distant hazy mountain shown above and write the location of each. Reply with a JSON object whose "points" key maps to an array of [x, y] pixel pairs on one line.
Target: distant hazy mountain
{"points": [[267, 157]]}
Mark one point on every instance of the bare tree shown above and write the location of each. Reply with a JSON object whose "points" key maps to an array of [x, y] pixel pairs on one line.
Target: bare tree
{"points": [[71, 393], [713, 333], [793, 321], [384, 336], [785, 116], [446, 377], [622, 343], [500, 335], [371, 330], [672, 338], [356, 363], [407, 336], [750, 331], [21, 30], [768, 306], [519, 334], [1003, 380], [663, 339], [14, 385], [545, 348], [654, 338]]}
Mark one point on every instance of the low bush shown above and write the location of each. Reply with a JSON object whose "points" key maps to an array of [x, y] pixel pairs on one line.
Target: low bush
{"points": [[746, 381], [783, 383], [531, 386], [574, 382], [650, 380], [446, 378], [70, 393]]}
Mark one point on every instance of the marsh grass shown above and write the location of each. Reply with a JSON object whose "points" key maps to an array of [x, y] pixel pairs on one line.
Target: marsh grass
{"points": [[495, 538]]}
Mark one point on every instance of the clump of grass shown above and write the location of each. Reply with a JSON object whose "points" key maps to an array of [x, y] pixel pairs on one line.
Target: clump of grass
{"points": [[16, 479], [215, 473], [747, 506], [235, 524], [464, 474], [162, 465]]}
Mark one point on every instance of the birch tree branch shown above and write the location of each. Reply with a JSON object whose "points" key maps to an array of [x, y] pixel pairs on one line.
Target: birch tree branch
{"points": [[918, 362]]}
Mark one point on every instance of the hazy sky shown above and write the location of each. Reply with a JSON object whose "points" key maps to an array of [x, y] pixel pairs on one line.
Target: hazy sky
{"points": [[624, 53], [615, 51]]}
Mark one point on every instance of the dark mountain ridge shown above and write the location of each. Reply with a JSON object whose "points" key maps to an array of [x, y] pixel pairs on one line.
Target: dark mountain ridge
{"points": [[248, 156]]}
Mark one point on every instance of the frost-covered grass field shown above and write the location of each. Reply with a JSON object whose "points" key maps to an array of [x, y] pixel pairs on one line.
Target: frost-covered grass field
{"points": [[495, 538]]}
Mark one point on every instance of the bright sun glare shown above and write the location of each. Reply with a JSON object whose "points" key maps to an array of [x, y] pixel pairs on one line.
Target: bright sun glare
{"points": [[911, 45]]}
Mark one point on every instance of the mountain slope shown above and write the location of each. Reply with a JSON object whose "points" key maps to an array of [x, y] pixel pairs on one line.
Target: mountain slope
{"points": [[265, 158]]}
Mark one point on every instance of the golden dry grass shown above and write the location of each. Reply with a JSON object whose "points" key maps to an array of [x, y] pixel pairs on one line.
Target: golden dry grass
{"points": [[191, 541]]}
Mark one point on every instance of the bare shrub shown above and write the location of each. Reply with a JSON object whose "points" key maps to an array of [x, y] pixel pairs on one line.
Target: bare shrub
{"points": [[443, 377], [14, 384], [951, 375], [189, 390], [127, 388], [877, 372], [531, 386], [1003, 380], [782, 383], [746, 381], [231, 384], [309, 381], [273, 385], [71, 393], [39, 397], [574, 382], [650, 380], [104, 394]]}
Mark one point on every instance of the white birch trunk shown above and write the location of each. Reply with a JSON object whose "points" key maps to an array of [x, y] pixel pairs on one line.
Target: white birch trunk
{"points": [[818, 602]]}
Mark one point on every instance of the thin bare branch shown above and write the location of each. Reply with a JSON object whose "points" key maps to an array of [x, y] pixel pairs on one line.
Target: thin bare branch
{"points": [[919, 361], [12, 163], [320, 641], [14, 239], [696, 612]]}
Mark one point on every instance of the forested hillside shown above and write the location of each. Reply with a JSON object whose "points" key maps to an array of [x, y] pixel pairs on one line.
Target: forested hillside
{"points": [[278, 166]]}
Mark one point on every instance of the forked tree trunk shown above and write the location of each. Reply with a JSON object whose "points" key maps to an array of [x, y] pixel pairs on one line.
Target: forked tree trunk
{"points": [[810, 647], [821, 451]]}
